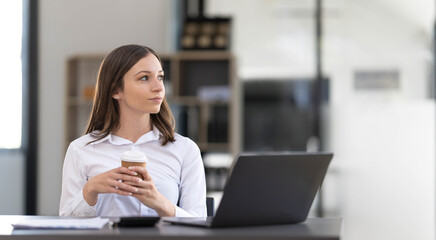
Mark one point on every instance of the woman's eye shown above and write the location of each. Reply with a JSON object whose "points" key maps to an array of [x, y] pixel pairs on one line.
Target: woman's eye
{"points": [[145, 78], [161, 77]]}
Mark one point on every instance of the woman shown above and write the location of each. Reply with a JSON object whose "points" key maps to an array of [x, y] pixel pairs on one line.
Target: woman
{"points": [[130, 112]]}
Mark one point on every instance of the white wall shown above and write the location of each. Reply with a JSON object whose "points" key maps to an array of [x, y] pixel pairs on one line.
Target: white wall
{"points": [[384, 141], [384, 180], [70, 27]]}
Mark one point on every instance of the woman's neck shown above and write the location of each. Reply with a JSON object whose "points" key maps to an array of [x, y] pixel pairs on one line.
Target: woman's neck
{"points": [[133, 127]]}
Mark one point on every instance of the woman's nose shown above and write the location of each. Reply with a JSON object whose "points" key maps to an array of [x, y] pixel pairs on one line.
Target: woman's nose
{"points": [[157, 85]]}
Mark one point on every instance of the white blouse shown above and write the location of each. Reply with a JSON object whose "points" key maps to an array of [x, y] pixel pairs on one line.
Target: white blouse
{"points": [[176, 169]]}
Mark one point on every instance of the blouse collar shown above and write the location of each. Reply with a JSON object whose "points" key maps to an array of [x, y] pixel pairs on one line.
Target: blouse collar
{"points": [[153, 135]]}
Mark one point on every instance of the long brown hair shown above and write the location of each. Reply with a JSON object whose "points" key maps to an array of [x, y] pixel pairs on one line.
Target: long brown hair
{"points": [[105, 115]]}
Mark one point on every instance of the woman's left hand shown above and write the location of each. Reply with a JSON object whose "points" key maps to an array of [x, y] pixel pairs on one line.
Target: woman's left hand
{"points": [[150, 196]]}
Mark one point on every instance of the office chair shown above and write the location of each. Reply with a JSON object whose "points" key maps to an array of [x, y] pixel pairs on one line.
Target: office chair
{"points": [[210, 206]]}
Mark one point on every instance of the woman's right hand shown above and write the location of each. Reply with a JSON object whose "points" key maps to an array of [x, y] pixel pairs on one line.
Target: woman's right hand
{"points": [[108, 182]]}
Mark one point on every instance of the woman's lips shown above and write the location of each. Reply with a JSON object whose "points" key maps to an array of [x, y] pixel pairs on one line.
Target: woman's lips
{"points": [[156, 100]]}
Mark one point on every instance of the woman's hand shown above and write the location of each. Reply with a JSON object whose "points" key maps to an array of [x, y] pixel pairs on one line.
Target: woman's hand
{"points": [[108, 182], [150, 196]]}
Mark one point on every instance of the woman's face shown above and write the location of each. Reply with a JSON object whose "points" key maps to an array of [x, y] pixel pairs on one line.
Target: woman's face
{"points": [[144, 88]]}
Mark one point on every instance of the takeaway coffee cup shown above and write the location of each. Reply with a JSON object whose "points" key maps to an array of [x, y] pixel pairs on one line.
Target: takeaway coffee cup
{"points": [[134, 158]]}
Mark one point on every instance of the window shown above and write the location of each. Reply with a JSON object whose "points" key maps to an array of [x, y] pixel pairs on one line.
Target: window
{"points": [[11, 74]]}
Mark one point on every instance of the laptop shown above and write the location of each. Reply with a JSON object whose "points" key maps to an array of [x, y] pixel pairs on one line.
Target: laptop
{"points": [[265, 189]]}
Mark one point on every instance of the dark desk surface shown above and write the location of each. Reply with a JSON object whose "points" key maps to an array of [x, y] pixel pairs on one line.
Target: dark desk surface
{"points": [[313, 228]]}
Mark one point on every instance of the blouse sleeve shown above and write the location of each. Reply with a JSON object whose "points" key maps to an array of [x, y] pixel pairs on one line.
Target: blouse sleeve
{"points": [[192, 189], [73, 180]]}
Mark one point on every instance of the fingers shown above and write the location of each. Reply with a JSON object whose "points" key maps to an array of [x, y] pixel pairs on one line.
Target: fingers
{"points": [[114, 181], [142, 171], [141, 193], [124, 170], [122, 188], [143, 185], [125, 181], [125, 174], [126, 178]]}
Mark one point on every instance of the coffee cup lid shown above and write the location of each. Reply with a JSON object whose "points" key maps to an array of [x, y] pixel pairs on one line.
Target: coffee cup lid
{"points": [[134, 156]]}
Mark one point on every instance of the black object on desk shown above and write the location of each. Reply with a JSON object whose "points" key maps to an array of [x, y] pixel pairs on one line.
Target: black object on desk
{"points": [[136, 221]]}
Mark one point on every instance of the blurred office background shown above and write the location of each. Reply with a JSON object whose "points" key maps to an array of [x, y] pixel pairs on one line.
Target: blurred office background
{"points": [[368, 95]]}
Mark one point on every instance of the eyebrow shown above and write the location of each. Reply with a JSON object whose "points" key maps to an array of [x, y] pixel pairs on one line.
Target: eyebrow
{"points": [[160, 71]]}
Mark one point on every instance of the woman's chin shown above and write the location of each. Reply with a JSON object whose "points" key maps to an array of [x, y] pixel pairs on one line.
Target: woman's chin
{"points": [[155, 111]]}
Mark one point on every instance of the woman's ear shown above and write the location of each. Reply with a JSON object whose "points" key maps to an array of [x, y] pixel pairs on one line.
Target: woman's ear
{"points": [[117, 94]]}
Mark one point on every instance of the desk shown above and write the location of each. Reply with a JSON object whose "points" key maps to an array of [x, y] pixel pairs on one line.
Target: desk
{"points": [[311, 229]]}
